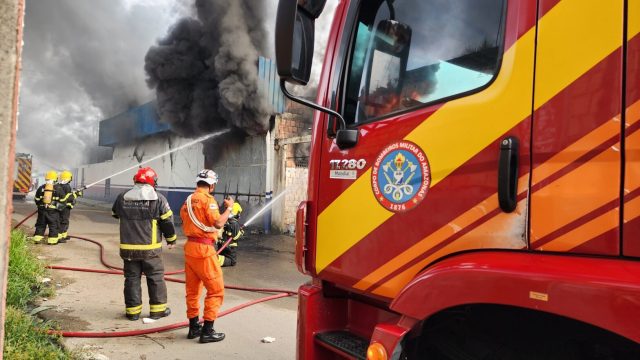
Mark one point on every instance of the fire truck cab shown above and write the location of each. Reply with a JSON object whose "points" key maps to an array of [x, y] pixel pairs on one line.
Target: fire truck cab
{"points": [[474, 179]]}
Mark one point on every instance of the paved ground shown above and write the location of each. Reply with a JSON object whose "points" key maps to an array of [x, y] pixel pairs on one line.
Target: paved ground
{"points": [[94, 302]]}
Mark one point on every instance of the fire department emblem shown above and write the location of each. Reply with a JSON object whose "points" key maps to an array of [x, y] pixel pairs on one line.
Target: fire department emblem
{"points": [[401, 176]]}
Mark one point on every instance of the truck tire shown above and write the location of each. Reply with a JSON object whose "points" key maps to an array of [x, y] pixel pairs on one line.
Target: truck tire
{"points": [[487, 332]]}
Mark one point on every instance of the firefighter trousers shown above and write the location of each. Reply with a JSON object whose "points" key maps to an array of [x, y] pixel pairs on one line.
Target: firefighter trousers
{"points": [[65, 213], [47, 218], [229, 255], [202, 270], [153, 269]]}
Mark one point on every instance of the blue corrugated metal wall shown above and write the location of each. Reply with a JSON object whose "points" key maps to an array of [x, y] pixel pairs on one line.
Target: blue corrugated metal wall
{"points": [[133, 124], [270, 84]]}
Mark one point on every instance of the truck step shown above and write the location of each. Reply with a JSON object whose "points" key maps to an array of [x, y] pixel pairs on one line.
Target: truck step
{"points": [[344, 342]]}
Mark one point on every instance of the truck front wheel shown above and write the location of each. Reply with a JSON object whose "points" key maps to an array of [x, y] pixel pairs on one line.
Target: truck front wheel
{"points": [[491, 332]]}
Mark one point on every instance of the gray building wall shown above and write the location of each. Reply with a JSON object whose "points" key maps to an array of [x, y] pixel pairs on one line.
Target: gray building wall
{"points": [[242, 168]]}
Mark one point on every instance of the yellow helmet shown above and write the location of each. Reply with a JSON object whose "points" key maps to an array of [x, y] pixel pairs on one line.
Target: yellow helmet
{"points": [[66, 176], [51, 175], [236, 209]]}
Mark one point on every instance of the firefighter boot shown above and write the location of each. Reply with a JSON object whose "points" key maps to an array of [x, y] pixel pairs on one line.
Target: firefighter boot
{"points": [[195, 329], [209, 334], [53, 240], [37, 239], [133, 317], [62, 238], [160, 314]]}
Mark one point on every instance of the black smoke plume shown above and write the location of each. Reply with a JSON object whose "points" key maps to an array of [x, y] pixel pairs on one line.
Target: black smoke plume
{"points": [[205, 71]]}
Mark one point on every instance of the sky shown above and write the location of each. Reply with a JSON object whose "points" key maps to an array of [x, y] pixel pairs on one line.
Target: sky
{"points": [[83, 61]]}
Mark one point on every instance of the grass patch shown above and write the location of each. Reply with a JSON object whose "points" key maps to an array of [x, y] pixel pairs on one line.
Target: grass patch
{"points": [[26, 340], [25, 337], [25, 272]]}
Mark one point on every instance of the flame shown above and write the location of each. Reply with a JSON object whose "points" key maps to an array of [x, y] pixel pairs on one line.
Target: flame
{"points": [[399, 161], [383, 102]]}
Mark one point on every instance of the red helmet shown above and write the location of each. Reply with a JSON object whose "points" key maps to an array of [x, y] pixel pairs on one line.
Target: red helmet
{"points": [[146, 176]]}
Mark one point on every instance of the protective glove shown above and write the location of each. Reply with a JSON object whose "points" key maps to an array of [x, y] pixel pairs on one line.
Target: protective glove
{"points": [[78, 193]]}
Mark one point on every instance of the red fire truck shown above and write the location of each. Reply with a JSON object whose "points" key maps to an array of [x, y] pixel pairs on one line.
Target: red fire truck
{"points": [[474, 179], [22, 182]]}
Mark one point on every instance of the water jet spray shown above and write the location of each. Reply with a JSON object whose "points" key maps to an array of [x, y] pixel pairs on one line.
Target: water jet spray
{"points": [[186, 145]]}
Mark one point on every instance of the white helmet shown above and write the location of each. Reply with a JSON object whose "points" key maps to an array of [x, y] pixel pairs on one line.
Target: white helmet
{"points": [[208, 176]]}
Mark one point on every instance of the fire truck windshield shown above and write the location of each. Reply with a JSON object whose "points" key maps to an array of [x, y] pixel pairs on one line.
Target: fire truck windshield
{"points": [[432, 50]]}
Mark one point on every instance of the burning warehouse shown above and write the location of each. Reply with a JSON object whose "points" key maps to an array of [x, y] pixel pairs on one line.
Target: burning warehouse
{"points": [[251, 167], [208, 76]]}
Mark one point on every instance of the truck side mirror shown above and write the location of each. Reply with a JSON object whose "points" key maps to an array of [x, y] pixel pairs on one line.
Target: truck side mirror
{"points": [[295, 27]]}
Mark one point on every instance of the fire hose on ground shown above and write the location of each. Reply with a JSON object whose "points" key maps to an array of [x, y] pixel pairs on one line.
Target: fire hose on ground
{"points": [[114, 270]]}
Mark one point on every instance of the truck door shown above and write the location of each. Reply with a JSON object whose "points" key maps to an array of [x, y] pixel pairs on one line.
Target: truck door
{"points": [[575, 185], [441, 94], [631, 238]]}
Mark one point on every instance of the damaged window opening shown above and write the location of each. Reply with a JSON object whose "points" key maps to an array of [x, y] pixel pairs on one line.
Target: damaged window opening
{"points": [[430, 51]]}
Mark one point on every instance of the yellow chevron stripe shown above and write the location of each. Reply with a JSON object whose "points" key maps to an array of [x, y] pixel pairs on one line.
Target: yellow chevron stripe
{"points": [[20, 185], [25, 174], [577, 35], [24, 178], [634, 19], [584, 32], [495, 225], [357, 200]]}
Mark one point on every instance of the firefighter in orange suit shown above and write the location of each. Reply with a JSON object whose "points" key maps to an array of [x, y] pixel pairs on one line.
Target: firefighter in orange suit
{"points": [[201, 220]]}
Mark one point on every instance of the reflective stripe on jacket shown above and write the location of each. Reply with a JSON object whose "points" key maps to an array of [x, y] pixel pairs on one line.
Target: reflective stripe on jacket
{"points": [[205, 208], [67, 196], [141, 224]]}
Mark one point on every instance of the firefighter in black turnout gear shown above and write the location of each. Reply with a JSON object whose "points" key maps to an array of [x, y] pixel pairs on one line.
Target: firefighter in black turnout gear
{"points": [[144, 214], [232, 230], [47, 199], [67, 201]]}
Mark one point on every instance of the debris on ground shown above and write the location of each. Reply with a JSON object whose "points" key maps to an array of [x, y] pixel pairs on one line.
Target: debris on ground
{"points": [[45, 280], [88, 347], [148, 320], [94, 356], [268, 339], [40, 309]]}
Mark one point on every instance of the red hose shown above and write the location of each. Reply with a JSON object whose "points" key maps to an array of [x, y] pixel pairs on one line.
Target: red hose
{"points": [[25, 219], [87, 334], [170, 279], [115, 270]]}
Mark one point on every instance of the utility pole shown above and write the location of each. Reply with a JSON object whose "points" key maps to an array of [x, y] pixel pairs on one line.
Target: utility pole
{"points": [[11, 28]]}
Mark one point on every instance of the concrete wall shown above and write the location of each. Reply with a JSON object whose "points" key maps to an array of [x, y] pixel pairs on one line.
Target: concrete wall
{"points": [[176, 172], [288, 175], [241, 167], [297, 180], [11, 26]]}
